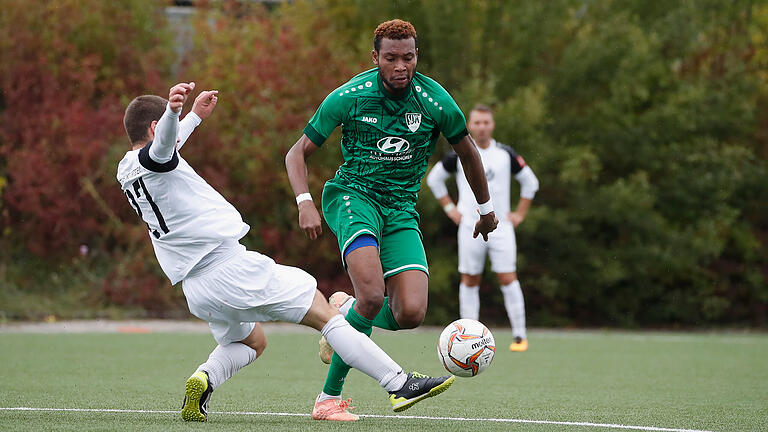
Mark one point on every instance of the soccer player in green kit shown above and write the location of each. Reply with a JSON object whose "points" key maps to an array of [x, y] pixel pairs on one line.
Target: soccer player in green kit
{"points": [[391, 118]]}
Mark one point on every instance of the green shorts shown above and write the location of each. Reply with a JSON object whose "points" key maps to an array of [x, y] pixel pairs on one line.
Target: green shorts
{"points": [[350, 213]]}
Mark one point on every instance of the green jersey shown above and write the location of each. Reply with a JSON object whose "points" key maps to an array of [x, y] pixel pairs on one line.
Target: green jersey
{"points": [[387, 141]]}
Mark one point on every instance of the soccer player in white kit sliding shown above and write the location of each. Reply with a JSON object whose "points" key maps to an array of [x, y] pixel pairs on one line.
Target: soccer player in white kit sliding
{"points": [[195, 233], [501, 163]]}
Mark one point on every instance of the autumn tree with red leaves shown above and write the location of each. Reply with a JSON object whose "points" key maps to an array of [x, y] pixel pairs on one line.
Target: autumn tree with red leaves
{"points": [[67, 70], [66, 73]]}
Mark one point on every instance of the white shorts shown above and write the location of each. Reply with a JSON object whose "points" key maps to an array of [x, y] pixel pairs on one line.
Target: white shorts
{"points": [[500, 246], [247, 288]]}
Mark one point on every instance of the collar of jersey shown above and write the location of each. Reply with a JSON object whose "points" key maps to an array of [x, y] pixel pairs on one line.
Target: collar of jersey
{"points": [[383, 90], [491, 145]]}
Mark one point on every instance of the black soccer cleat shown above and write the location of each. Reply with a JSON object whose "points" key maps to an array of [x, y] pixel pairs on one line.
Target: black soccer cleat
{"points": [[418, 387], [196, 398]]}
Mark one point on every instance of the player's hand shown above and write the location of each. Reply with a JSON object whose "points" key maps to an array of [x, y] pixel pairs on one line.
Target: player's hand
{"points": [[309, 219], [516, 218], [205, 102], [455, 216], [485, 225], [178, 95]]}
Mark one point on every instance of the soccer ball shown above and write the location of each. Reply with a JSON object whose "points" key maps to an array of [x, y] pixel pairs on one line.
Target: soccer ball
{"points": [[466, 347]]}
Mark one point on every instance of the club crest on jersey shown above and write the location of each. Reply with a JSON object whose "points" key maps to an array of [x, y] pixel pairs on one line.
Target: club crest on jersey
{"points": [[489, 175], [413, 121], [392, 144]]}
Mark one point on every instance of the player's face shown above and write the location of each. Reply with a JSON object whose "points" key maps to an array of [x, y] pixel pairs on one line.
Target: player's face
{"points": [[397, 63], [481, 125]]}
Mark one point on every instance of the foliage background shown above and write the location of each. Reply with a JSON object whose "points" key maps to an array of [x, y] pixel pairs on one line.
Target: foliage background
{"points": [[646, 123]]}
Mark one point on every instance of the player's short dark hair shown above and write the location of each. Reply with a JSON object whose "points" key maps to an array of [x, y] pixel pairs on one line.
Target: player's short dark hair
{"points": [[395, 29], [482, 108], [140, 114]]}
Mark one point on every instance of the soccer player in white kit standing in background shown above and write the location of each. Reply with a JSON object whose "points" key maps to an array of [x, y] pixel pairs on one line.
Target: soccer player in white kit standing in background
{"points": [[500, 162], [195, 233]]}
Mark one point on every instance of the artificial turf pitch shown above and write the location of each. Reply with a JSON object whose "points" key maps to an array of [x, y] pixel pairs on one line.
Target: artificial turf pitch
{"points": [[567, 381]]}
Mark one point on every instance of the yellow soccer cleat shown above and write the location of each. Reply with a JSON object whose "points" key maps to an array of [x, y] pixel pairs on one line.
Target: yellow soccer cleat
{"points": [[197, 396], [417, 388], [336, 300], [519, 345], [333, 410]]}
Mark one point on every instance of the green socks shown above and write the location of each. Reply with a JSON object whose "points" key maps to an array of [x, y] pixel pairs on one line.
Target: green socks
{"points": [[385, 319]]}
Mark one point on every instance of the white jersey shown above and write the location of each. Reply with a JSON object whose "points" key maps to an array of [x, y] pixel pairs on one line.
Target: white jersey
{"points": [[501, 163], [186, 217]]}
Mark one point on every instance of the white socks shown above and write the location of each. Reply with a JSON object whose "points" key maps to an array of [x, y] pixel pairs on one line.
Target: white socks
{"points": [[361, 353], [469, 305], [325, 396], [469, 302], [344, 308], [513, 302], [225, 360]]}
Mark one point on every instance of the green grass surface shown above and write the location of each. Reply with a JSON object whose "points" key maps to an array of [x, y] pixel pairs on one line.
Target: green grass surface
{"points": [[716, 382]]}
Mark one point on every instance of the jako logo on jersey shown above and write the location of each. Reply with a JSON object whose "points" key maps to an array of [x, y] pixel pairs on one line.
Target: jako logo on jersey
{"points": [[413, 121], [393, 145], [373, 120]]}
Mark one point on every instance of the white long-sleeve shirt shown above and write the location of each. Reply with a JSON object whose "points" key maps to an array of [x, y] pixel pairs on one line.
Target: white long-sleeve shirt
{"points": [[501, 163], [186, 217], [167, 130]]}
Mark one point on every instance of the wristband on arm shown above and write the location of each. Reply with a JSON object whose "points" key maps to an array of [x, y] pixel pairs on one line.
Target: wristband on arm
{"points": [[303, 197], [449, 207], [485, 207]]}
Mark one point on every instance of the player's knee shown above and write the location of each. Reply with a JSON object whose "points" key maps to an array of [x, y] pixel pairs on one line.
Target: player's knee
{"points": [[260, 346], [257, 341], [507, 278], [369, 305], [411, 316], [257, 345], [471, 280]]}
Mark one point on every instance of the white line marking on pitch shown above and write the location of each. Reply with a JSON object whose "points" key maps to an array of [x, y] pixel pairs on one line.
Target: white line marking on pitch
{"points": [[460, 419]]}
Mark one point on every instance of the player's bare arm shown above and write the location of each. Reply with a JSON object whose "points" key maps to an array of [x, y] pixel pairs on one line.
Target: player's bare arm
{"points": [[296, 166], [518, 216], [450, 209], [529, 184], [473, 169], [436, 181]]}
